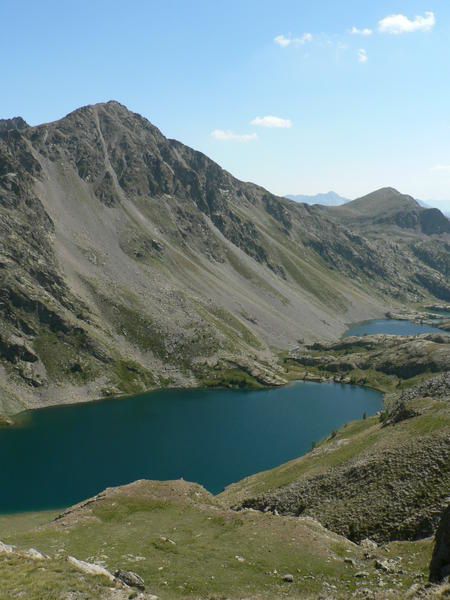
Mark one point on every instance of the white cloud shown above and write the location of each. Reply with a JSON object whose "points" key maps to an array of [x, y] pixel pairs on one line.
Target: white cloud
{"points": [[306, 37], [366, 32], [230, 136], [284, 41], [362, 55], [398, 24], [441, 168], [272, 122]]}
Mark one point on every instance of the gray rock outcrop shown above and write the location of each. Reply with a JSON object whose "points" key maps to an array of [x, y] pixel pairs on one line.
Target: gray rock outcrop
{"points": [[440, 562]]}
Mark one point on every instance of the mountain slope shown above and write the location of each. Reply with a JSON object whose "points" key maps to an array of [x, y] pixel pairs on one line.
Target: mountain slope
{"points": [[325, 199], [130, 261]]}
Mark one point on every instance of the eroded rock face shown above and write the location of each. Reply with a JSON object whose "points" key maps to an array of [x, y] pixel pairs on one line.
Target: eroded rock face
{"points": [[400, 413], [14, 123], [440, 563]]}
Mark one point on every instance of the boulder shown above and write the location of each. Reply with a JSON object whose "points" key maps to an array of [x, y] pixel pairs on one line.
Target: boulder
{"points": [[130, 579], [7, 549], [387, 566], [30, 553], [368, 544], [440, 562], [35, 554], [90, 568]]}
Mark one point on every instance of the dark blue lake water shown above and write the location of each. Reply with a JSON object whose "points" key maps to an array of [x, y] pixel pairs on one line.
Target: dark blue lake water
{"points": [[390, 326], [61, 455]]}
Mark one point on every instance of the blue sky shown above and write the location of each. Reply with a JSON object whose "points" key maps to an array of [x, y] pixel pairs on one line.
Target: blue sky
{"points": [[353, 111]]}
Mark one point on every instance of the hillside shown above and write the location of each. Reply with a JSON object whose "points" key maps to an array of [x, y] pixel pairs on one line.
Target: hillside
{"points": [[130, 261], [185, 544]]}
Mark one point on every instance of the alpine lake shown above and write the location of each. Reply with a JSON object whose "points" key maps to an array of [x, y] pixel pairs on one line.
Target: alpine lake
{"points": [[54, 457]]}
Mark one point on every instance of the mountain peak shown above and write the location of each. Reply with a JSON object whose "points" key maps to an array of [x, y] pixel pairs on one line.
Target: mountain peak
{"points": [[385, 199], [110, 124], [388, 191], [111, 106]]}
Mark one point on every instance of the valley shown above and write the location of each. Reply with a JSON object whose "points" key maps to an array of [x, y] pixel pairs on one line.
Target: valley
{"points": [[132, 263], [224, 300]]}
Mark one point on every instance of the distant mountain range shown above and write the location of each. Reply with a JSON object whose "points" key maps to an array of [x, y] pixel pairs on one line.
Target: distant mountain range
{"points": [[326, 199]]}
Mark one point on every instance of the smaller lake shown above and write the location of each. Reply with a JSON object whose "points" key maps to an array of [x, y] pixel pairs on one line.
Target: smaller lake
{"points": [[61, 455], [391, 326]]}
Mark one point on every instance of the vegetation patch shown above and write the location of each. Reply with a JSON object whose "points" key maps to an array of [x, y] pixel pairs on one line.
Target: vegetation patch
{"points": [[231, 378], [66, 357], [131, 377]]}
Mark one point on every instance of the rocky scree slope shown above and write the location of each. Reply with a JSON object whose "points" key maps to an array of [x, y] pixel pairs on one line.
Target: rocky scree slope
{"points": [[130, 261]]}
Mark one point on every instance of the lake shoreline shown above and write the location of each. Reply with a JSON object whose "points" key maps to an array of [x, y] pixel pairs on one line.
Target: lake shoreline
{"points": [[212, 437], [9, 420]]}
